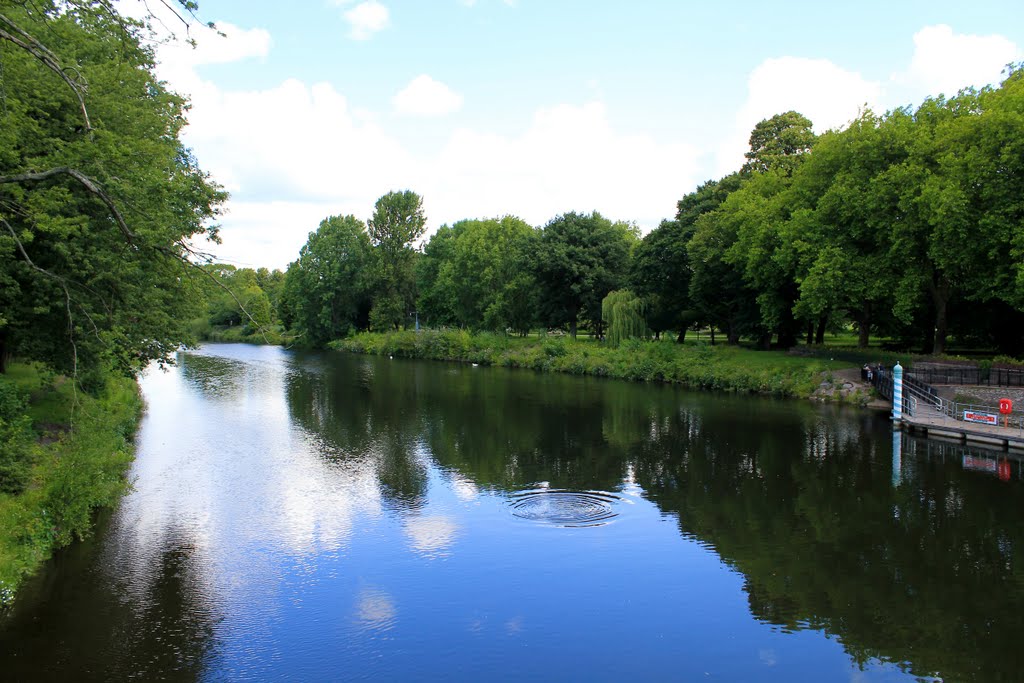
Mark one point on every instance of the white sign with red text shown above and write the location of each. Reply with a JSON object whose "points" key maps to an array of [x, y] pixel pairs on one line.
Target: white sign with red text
{"points": [[984, 418]]}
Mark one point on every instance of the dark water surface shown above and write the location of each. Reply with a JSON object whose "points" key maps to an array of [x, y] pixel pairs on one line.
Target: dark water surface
{"points": [[329, 517]]}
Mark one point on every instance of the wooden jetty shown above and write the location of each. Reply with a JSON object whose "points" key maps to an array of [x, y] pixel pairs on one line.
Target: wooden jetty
{"points": [[1009, 438]]}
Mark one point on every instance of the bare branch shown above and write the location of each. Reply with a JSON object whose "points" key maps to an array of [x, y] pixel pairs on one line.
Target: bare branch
{"points": [[29, 44]]}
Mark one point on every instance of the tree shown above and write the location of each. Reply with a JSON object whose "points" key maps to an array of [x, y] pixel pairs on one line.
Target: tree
{"points": [[580, 258], [779, 143], [328, 288], [623, 313], [480, 274], [838, 237], [660, 273], [397, 222], [717, 291], [99, 201]]}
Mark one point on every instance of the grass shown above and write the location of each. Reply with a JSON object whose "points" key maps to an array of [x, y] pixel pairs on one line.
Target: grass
{"points": [[77, 462], [694, 364]]}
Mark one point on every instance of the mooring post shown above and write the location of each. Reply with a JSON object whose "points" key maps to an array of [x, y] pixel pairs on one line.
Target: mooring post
{"points": [[897, 393]]}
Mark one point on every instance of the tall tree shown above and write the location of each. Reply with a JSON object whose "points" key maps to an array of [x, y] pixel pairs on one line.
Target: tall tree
{"points": [[328, 288], [660, 273], [99, 200], [397, 222], [580, 258], [717, 291], [779, 143]]}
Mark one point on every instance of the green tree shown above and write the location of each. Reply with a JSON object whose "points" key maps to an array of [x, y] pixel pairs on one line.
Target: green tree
{"points": [[717, 292], [481, 276], [580, 258], [328, 288], [397, 222], [660, 273], [99, 200], [779, 143], [838, 237], [623, 313]]}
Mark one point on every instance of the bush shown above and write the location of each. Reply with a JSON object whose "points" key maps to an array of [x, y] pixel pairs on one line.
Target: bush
{"points": [[16, 438]]}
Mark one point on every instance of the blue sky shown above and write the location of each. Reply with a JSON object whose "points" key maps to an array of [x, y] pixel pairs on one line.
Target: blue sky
{"points": [[534, 108]]}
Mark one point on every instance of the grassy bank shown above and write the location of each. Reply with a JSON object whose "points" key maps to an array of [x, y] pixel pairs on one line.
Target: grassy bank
{"points": [[695, 365], [64, 456]]}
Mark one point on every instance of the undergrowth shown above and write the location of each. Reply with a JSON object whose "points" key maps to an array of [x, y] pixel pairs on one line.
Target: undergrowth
{"points": [[700, 366], [70, 451]]}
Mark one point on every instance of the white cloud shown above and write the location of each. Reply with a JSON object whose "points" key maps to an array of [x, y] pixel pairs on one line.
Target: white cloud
{"points": [[831, 96], [570, 158], [828, 95], [366, 18], [426, 97], [178, 59], [945, 62]]}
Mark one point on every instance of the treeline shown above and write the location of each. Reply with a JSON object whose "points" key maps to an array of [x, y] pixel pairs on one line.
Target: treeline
{"points": [[908, 225]]}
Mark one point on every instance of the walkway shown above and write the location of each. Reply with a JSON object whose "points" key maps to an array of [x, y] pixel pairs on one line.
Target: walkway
{"points": [[937, 424]]}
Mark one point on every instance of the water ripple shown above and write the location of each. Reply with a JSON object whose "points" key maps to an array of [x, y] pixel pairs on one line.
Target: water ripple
{"points": [[565, 507]]}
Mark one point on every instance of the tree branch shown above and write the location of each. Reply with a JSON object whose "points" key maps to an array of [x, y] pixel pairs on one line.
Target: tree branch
{"points": [[85, 181]]}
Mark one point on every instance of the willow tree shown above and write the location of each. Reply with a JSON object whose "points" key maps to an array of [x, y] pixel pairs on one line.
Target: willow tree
{"points": [[623, 313]]}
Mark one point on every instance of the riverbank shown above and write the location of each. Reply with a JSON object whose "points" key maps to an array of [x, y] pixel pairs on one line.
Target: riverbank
{"points": [[696, 365], [63, 454]]}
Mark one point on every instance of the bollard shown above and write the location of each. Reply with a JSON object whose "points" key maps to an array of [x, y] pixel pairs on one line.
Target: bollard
{"points": [[897, 393]]}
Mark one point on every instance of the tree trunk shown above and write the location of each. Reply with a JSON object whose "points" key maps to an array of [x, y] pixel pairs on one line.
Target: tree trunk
{"points": [[572, 327], [681, 337], [810, 333], [819, 337], [940, 297], [4, 352], [864, 323]]}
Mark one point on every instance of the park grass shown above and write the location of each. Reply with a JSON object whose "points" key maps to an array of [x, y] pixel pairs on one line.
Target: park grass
{"points": [[78, 460], [694, 364]]}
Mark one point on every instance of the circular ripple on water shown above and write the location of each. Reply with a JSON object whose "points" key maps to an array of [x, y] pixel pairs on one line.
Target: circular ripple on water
{"points": [[565, 508]]}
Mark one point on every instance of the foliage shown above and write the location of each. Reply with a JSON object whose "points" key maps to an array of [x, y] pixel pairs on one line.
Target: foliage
{"points": [[476, 274], [16, 438], [99, 200], [397, 222], [660, 272], [78, 467], [623, 313], [580, 258], [779, 144], [328, 288], [698, 366]]}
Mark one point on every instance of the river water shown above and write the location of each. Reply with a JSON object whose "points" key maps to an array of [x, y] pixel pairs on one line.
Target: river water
{"points": [[305, 516]]}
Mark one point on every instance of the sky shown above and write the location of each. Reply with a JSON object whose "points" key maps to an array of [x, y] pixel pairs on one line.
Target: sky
{"points": [[534, 108]]}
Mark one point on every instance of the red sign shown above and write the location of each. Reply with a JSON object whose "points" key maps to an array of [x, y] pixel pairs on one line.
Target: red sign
{"points": [[1005, 406], [984, 418]]}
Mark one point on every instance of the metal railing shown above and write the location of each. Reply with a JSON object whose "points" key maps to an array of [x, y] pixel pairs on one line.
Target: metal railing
{"points": [[956, 410], [994, 377], [920, 399]]}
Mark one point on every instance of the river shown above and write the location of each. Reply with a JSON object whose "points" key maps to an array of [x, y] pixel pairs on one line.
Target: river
{"points": [[316, 516]]}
